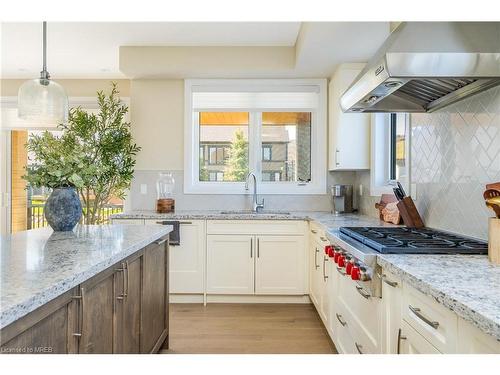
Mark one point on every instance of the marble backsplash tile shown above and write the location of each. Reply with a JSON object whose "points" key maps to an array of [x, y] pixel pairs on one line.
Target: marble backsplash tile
{"points": [[454, 153]]}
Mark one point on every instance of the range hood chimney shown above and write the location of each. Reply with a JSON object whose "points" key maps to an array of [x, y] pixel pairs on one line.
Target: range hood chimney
{"points": [[425, 66]]}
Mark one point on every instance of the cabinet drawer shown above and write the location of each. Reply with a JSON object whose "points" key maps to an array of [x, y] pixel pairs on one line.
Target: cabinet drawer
{"points": [[412, 342], [317, 232], [364, 314], [434, 322], [258, 227], [342, 338]]}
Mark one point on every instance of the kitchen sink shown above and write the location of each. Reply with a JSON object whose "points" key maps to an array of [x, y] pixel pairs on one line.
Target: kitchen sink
{"points": [[249, 212]]}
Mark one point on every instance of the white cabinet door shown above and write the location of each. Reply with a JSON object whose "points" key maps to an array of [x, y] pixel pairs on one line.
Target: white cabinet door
{"points": [[280, 265], [326, 298], [314, 270], [349, 133], [187, 261], [412, 342], [391, 312], [471, 340], [230, 264]]}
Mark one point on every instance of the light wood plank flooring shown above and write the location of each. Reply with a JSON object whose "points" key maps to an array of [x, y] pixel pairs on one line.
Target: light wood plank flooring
{"points": [[247, 329]]}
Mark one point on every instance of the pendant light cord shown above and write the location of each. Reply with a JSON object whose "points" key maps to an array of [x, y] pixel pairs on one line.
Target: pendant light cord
{"points": [[44, 74]]}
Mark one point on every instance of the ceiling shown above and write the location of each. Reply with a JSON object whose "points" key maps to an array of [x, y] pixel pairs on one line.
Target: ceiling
{"points": [[91, 49]]}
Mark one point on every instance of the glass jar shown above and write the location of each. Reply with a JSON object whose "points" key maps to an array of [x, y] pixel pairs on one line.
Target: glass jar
{"points": [[165, 185]]}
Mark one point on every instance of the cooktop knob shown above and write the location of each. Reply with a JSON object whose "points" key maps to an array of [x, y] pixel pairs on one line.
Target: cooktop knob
{"points": [[327, 249], [355, 273], [341, 261], [331, 252], [348, 268]]}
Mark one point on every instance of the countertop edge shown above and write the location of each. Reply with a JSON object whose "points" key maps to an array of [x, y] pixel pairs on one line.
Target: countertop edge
{"points": [[480, 321], [29, 305]]}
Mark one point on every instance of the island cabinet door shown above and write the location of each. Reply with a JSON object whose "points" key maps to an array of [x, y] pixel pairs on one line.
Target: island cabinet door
{"points": [[154, 315], [128, 306], [97, 311], [50, 329]]}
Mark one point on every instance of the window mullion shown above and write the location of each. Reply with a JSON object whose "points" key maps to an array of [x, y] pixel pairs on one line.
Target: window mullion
{"points": [[255, 144]]}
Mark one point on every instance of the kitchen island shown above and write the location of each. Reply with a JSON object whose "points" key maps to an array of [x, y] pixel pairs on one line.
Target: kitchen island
{"points": [[96, 289]]}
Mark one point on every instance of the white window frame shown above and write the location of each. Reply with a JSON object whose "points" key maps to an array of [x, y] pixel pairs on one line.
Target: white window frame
{"points": [[317, 185], [380, 182]]}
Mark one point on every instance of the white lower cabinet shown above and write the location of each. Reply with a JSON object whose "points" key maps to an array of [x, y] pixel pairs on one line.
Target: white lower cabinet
{"points": [[250, 264], [412, 342], [280, 265], [187, 260], [392, 290], [472, 341], [319, 275], [230, 264]]}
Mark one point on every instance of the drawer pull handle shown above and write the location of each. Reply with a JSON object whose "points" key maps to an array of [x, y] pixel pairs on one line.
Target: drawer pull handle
{"points": [[325, 276], [323, 239], [161, 242], [80, 299], [316, 258], [400, 337], [419, 315], [339, 318], [389, 282], [358, 347], [180, 222], [342, 272], [314, 231], [362, 292]]}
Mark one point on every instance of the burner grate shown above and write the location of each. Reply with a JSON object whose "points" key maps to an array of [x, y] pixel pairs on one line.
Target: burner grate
{"points": [[404, 240]]}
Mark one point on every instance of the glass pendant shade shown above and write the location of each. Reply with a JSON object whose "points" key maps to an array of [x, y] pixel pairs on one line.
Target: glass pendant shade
{"points": [[42, 101]]}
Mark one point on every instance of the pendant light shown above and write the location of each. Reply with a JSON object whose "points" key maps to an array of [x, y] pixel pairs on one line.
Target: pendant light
{"points": [[41, 101]]}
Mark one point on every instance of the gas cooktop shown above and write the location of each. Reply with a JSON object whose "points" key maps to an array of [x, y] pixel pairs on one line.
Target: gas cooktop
{"points": [[401, 240]]}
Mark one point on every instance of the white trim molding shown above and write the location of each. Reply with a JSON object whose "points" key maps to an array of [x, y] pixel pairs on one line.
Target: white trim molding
{"points": [[313, 99], [380, 182]]}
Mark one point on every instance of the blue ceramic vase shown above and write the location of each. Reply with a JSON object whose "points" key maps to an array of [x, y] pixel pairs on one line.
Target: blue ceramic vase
{"points": [[63, 209]]}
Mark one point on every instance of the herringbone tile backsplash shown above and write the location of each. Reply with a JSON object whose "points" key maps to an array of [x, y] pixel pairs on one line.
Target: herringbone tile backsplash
{"points": [[454, 153]]}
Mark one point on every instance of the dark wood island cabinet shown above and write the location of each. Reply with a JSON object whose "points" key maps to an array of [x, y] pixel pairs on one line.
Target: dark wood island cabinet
{"points": [[123, 309]]}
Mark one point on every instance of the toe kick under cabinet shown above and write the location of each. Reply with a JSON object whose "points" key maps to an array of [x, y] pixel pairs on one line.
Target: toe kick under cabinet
{"points": [[256, 257], [123, 309]]}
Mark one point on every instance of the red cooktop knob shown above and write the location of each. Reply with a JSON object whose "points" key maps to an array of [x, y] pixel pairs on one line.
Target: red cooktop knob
{"points": [[348, 268], [341, 261], [336, 256], [327, 249], [331, 252], [355, 273]]}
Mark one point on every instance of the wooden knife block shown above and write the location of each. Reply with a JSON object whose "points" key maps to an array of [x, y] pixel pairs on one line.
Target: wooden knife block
{"points": [[409, 213], [494, 240]]}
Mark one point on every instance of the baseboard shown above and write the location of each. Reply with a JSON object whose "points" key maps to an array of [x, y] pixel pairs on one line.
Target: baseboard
{"points": [[227, 298]]}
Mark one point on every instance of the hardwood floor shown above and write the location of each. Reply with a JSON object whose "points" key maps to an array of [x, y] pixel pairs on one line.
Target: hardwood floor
{"points": [[247, 329]]}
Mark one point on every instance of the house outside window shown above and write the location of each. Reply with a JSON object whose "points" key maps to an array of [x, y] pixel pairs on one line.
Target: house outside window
{"points": [[267, 127]]}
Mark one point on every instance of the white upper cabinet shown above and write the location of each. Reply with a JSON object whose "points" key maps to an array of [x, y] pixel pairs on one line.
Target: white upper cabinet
{"points": [[349, 133]]}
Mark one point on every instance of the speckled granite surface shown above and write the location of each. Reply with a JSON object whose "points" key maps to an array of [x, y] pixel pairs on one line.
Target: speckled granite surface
{"points": [[469, 285], [325, 218], [39, 265]]}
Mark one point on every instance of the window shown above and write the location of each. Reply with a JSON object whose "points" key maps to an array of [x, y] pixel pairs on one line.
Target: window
{"points": [[267, 127], [390, 156], [267, 153]]}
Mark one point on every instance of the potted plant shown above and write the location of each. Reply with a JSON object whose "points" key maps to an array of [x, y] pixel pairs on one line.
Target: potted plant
{"points": [[97, 151], [58, 166]]}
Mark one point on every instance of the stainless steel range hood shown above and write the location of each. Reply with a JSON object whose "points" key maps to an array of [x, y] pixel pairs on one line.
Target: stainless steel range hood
{"points": [[425, 66]]}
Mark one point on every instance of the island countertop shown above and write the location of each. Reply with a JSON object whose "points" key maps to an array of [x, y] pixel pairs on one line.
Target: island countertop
{"points": [[39, 265]]}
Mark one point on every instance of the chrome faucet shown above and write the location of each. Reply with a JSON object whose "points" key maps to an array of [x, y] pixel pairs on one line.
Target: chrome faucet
{"points": [[256, 206]]}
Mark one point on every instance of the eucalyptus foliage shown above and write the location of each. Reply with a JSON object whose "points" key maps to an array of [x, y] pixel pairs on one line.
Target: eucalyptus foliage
{"points": [[95, 154]]}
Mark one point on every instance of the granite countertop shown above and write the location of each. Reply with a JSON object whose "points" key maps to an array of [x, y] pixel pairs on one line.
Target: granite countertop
{"points": [[39, 265], [326, 218], [469, 285]]}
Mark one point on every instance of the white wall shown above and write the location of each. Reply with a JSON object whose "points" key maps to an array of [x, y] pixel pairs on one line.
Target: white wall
{"points": [[157, 116]]}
